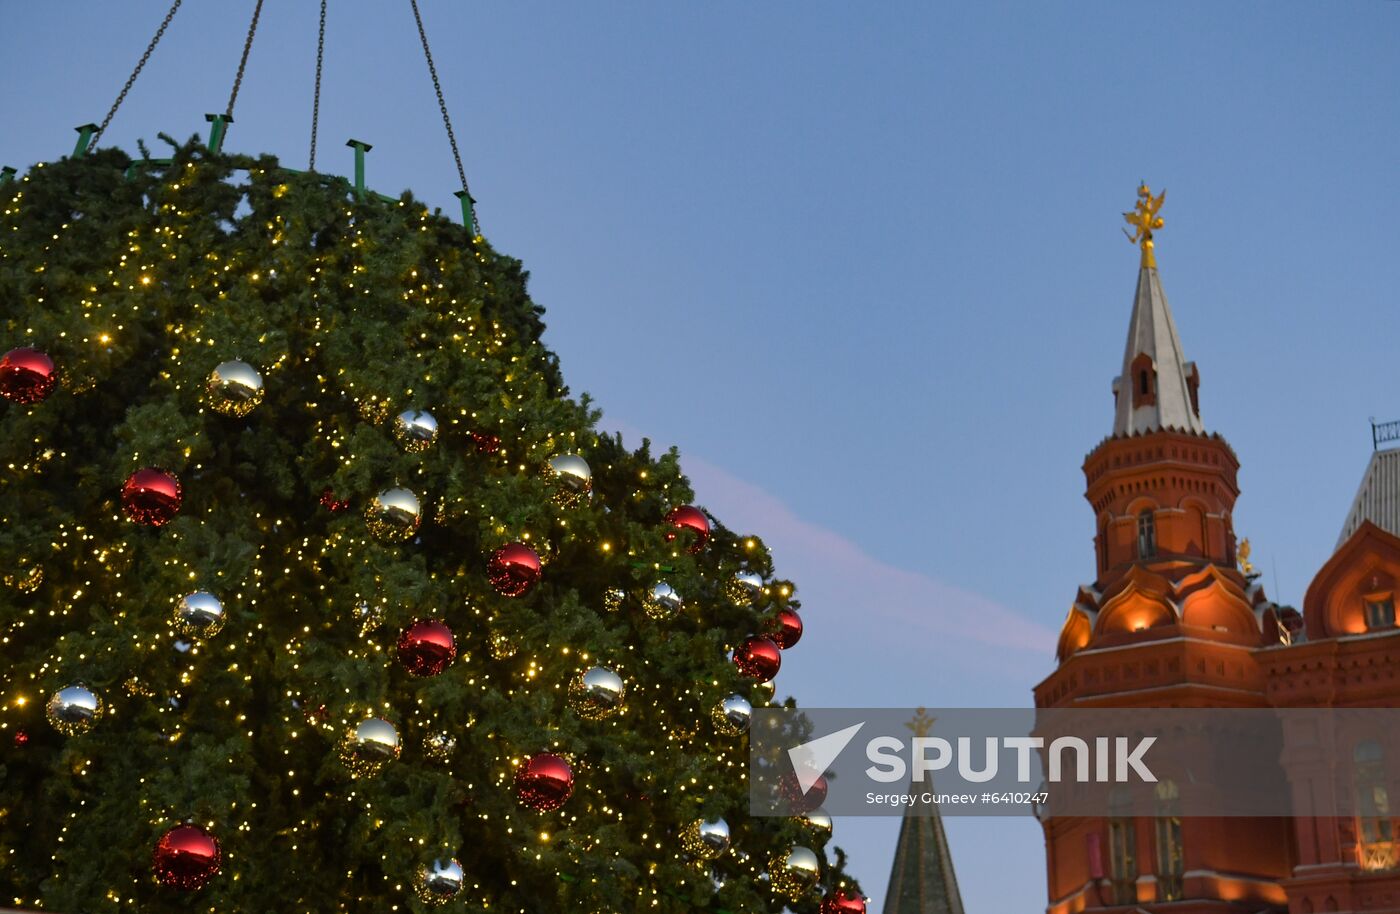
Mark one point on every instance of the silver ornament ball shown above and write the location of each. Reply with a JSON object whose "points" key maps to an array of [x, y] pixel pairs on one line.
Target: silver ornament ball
{"points": [[372, 744], [745, 587], [732, 715], [73, 709], [415, 430], [199, 615], [597, 693], [394, 515], [438, 882], [706, 839], [663, 601], [572, 479], [795, 873], [234, 388]]}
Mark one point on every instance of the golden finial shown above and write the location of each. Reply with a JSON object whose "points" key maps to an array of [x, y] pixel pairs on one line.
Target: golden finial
{"points": [[1242, 557], [1145, 220], [922, 722]]}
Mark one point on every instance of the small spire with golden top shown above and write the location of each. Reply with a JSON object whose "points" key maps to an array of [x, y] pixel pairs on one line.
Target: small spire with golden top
{"points": [[1144, 220], [922, 880]]}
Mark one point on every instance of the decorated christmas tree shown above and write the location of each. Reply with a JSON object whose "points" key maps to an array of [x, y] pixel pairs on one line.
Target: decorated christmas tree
{"points": [[321, 593]]}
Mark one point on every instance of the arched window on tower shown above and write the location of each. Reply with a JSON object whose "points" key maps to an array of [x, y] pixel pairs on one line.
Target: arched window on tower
{"points": [[1380, 611], [1143, 378], [1147, 534], [1169, 859], [1374, 825], [1122, 847]]}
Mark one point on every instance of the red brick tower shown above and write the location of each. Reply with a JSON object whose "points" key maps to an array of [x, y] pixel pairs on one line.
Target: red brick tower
{"points": [[1168, 622]]}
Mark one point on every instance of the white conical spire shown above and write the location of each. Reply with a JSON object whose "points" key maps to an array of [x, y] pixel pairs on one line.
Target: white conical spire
{"points": [[1156, 389]]}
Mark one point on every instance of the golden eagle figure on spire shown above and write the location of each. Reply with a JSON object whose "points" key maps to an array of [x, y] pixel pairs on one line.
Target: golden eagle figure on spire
{"points": [[922, 722], [1144, 220]]}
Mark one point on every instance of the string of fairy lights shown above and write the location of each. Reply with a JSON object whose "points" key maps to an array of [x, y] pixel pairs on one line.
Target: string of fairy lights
{"points": [[311, 576]]}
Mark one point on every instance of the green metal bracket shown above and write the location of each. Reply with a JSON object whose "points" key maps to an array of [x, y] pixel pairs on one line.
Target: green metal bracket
{"points": [[85, 133], [219, 127], [360, 147], [468, 213], [7, 174]]}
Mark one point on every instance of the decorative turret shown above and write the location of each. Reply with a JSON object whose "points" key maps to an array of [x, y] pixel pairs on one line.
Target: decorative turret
{"points": [[1162, 489]]}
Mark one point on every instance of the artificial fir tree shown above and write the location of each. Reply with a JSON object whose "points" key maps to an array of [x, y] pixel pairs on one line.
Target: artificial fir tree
{"points": [[386, 623]]}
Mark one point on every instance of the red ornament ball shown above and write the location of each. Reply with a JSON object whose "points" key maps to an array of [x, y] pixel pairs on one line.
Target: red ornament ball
{"points": [[838, 902], [26, 376], [544, 782], [688, 517], [426, 648], [331, 503], [485, 442], [151, 496], [513, 570], [786, 629], [186, 857], [797, 801], [758, 658], [21, 738]]}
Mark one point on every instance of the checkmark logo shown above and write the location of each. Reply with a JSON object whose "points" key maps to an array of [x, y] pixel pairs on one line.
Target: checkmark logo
{"points": [[811, 759]]}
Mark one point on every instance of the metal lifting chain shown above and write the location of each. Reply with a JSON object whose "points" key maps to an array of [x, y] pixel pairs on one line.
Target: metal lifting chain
{"points": [[243, 61], [442, 105], [316, 99], [140, 64]]}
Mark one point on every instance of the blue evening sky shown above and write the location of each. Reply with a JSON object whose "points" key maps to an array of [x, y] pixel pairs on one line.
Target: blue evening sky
{"points": [[862, 263]]}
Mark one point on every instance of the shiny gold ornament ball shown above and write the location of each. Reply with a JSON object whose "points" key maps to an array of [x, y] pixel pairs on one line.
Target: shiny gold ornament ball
{"points": [[394, 515], [439, 746], [731, 716], [662, 601], [199, 615], [795, 873], [818, 821], [373, 410], [705, 839], [26, 578], [369, 746], [502, 647], [369, 616], [744, 588], [415, 430], [234, 389], [571, 479], [597, 693], [73, 710], [438, 882], [612, 599]]}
